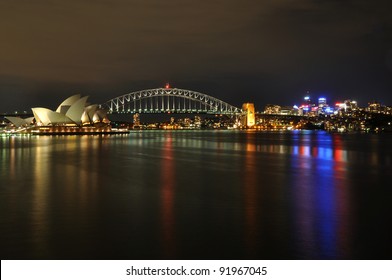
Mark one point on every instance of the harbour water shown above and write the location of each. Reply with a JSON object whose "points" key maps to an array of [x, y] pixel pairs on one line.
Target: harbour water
{"points": [[196, 195]]}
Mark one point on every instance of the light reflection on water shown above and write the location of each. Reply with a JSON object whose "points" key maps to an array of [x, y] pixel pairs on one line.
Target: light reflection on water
{"points": [[168, 192], [196, 194]]}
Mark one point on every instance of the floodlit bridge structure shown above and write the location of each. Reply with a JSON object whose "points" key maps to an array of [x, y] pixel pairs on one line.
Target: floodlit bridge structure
{"points": [[164, 100]]}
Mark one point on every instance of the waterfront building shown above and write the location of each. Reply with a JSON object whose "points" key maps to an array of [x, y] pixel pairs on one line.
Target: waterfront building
{"points": [[136, 120], [73, 116], [74, 111], [197, 121]]}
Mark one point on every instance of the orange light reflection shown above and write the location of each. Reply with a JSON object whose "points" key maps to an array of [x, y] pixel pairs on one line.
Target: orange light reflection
{"points": [[251, 198], [167, 198]]}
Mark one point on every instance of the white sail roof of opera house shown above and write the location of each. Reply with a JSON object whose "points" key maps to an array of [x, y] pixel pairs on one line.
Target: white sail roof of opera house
{"points": [[72, 110], [46, 117], [18, 122], [64, 106]]}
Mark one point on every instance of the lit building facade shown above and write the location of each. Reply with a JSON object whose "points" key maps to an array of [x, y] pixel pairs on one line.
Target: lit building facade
{"points": [[271, 109], [136, 120]]}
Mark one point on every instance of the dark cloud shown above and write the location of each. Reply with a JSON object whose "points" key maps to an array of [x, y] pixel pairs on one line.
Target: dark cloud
{"points": [[265, 51]]}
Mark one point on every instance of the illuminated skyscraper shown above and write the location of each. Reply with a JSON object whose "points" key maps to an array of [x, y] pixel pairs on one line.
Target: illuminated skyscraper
{"points": [[322, 101]]}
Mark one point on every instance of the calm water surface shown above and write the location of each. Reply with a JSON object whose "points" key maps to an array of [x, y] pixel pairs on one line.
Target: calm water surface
{"points": [[196, 195]]}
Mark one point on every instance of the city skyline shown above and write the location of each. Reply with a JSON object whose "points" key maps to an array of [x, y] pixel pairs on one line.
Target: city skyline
{"points": [[248, 51]]}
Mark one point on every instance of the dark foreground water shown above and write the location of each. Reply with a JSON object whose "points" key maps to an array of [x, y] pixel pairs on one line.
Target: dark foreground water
{"points": [[197, 195]]}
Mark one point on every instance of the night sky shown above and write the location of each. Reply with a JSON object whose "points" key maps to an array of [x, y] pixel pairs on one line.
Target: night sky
{"points": [[266, 52]]}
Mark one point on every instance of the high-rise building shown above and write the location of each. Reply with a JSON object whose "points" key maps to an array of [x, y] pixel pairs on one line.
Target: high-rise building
{"points": [[307, 106], [323, 107], [322, 101], [307, 100], [351, 104]]}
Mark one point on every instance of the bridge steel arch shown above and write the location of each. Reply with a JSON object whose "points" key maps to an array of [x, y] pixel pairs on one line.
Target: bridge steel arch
{"points": [[162, 100]]}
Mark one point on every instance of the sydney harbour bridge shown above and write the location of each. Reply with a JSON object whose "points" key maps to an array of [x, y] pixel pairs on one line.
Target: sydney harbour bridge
{"points": [[149, 101], [167, 99]]}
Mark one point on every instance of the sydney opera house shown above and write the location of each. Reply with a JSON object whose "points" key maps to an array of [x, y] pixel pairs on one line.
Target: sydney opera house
{"points": [[73, 111], [73, 116]]}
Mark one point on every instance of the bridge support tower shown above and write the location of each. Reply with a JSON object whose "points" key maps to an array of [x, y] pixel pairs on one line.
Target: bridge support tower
{"points": [[248, 115]]}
